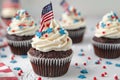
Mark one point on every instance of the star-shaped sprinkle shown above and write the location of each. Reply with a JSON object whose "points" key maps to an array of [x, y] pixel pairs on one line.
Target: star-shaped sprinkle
{"points": [[17, 17], [75, 21], [103, 25], [9, 28], [79, 13], [62, 31], [39, 34], [49, 30], [21, 27]]}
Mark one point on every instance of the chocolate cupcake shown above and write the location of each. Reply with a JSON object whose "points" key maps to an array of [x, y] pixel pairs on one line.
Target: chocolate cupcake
{"points": [[74, 23], [9, 8], [106, 41], [20, 32], [51, 51]]}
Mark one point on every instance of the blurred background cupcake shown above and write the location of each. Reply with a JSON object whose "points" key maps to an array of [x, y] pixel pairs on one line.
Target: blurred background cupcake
{"points": [[20, 32], [106, 41], [73, 22], [9, 8]]}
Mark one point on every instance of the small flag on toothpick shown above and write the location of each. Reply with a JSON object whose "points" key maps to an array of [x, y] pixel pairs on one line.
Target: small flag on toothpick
{"points": [[65, 5]]}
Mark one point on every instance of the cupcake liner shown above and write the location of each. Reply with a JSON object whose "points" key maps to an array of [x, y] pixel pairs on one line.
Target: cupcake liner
{"points": [[106, 50], [50, 67], [19, 47], [76, 35]]}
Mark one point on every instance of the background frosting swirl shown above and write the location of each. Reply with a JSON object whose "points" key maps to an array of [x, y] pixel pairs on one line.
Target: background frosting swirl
{"points": [[109, 27], [22, 24], [55, 38], [72, 20]]}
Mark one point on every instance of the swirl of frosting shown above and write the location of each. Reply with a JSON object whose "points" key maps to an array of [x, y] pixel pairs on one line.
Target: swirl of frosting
{"points": [[22, 24], [109, 27], [72, 20], [54, 38]]}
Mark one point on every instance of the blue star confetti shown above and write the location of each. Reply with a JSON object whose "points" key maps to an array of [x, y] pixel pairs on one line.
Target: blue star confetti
{"points": [[103, 25], [117, 65], [23, 56], [75, 21], [3, 56], [8, 29], [82, 76], [49, 30], [13, 61], [79, 13], [62, 31], [17, 17], [21, 27], [17, 68], [84, 71], [39, 34]]}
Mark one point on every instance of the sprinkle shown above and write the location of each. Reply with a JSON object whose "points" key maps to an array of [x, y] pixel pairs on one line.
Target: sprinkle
{"points": [[117, 65], [112, 17], [20, 71], [21, 27], [89, 58], [76, 64], [102, 75], [108, 62], [82, 76], [104, 67], [75, 21], [79, 13], [82, 19], [35, 24], [3, 49], [97, 62], [47, 24], [17, 17], [39, 34], [84, 64], [39, 78], [103, 25], [94, 78], [81, 54], [19, 74], [67, 39], [8, 29], [84, 71], [49, 30], [23, 56], [105, 73], [13, 61], [3, 56], [62, 31], [13, 30], [81, 50], [17, 68], [103, 32], [46, 35], [116, 77], [108, 24], [119, 20], [116, 17]]}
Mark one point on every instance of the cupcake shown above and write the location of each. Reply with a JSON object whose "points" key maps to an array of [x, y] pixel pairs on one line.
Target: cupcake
{"points": [[51, 51], [20, 32], [74, 23], [106, 41], [9, 8]]}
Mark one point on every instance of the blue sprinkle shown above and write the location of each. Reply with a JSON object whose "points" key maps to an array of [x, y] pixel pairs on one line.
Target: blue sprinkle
{"points": [[108, 62], [20, 27], [119, 20], [35, 24], [79, 13], [80, 54], [117, 65], [114, 14], [3, 56], [82, 76], [62, 31], [17, 17], [13, 61], [49, 30], [81, 50], [39, 34], [17, 68], [103, 25], [8, 29], [75, 21], [24, 56], [84, 71], [3, 49]]}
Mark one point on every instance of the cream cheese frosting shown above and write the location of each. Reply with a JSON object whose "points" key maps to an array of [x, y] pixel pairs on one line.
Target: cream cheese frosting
{"points": [[109, 27], [72, 20], [22, 24], [53, 38]]}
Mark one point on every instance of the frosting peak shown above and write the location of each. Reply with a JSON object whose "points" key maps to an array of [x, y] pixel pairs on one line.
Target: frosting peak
{"points": [[109, 26], [22, 24], [51, 38], [72, 20]]}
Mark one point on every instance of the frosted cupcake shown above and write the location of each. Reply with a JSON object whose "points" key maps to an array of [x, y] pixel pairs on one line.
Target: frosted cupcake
{"points": [[74, 23], [9, 8], [20, 32], [106, 41], [51, 51]]}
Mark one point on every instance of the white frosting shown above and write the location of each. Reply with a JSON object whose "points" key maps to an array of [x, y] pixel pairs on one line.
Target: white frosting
{"points": [[68, 20], [54, 41], [8, 12], [111, 27], [17, 25]]}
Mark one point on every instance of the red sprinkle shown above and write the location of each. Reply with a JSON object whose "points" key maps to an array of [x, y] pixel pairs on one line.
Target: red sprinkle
{"points": [[104, 67], [76, 64], [13, 30], [48, 24], [19, 74], [39, 78], [84, 64], [116, 77], [103, 32], [21, 71], [58, 28], [67, 39], [108, 24], [116, 17], [112, 17], [94, 78], [46, 35], [12, 57], [102, 75], [89, 58], [105, 73]]}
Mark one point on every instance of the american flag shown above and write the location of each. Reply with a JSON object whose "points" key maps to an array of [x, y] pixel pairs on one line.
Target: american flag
{"points": [[65, 5], [47, 16], [6, 73]]}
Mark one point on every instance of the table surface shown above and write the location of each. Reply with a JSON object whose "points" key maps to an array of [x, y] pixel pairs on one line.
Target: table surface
{"points": [[74, 72]]}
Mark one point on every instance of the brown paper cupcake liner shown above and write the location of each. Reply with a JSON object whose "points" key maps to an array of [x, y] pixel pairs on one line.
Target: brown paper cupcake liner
{"points": [[76, 35], [50, 67], [19, 47], [106, 50]]}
